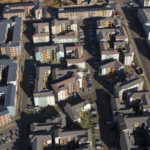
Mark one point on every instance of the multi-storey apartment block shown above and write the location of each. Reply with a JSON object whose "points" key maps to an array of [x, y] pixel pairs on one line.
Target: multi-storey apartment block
{"points": [[145, 3], [108, 23], [144, 18], [74, 56], [66, 82], [107, 52], [132, 118], [47, 54], [4, 117], [8, 85], [18, 9], [46, 136], [68, 37], [79, 138], [59, 26], [110, 67], [38, 10], [42, 33], [133, 83], [10, 37], [42, 95], [80, 13], [74, 112]]}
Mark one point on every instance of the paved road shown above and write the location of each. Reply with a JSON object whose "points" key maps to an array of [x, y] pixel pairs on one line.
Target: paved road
{"points": [[100, 94], [136, 37]]}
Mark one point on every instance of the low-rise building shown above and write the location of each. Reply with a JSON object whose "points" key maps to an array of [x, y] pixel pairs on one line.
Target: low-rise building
{"points": [[59, 26], [133, 82], [4, 117], [74, 112], [42, 95], [18, 9], [47, 54], [114, 66], [10, 37], [84, 12], [42, 33], [66, 82], [74, 56]]}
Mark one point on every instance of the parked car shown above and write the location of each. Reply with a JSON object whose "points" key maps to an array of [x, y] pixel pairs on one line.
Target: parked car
{"points": [[98, 141], [99, 146], [96, 126]]}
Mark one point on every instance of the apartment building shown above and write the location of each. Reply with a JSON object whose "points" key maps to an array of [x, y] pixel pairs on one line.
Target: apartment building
{"points": [[42, 33], [141, 98], [8, 85], [68, 37], [104, 35], [111, 67], [41, 133], [132, 118], [10, 37], [74, 56], [47, 54], [74, 112], [144, 18], [4, 117], [42, 95], [51, 134], [121, 34], [79, 138], [18, 9], [84, 12], [133, 82], [108, 23], [108, 53], [145, 3], [66, 82], [59, 26]]}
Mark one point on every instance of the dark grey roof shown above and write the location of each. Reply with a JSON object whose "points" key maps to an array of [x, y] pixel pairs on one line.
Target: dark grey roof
{"points": [[112, 63], [3, 28], [3, 111], [131, 80], [13, 11], [40, 75], [10, 95], [17, 29], [21, 4], [87, 8], [57, 48], [11, 70]]}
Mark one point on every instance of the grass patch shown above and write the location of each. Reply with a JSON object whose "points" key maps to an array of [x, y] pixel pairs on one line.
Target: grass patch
{"points": [[129, 69], [86, 122]]}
